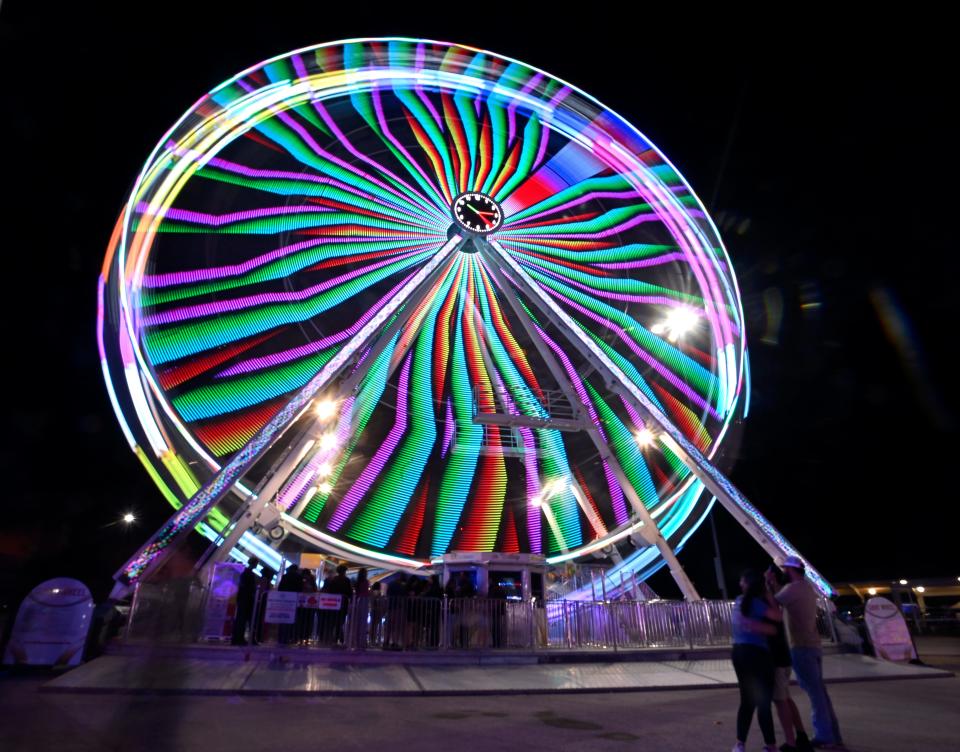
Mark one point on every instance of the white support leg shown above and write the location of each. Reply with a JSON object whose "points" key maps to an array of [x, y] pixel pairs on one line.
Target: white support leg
{"points": [[156, 551], [727, 494], [649, 531], [352, 383]]}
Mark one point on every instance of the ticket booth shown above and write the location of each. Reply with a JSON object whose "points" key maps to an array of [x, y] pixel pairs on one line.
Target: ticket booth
{"points": [[520, 575]]}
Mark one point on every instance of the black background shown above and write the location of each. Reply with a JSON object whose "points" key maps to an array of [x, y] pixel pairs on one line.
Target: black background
{"points": [[823, 147]]}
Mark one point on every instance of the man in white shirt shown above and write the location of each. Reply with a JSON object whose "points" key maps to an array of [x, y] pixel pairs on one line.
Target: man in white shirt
{"points": [[799, 601]]}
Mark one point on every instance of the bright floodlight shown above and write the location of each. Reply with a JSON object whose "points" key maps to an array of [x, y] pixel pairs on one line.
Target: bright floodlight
{"points": [[325, 408], [324, 487], [129, 518], [324, 470], [536, 501], [645, 437], [328, 441], [677, 323], [903, 582], [872, 591], [921, 589]]}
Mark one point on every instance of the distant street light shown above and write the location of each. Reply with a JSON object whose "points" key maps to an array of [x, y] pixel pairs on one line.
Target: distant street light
{"points": [[129, 518], [903, 582]]}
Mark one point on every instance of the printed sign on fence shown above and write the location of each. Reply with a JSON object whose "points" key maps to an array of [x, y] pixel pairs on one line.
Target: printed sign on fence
{"points": [[222, 602], [281, 607], [328, 602], [309, 600]]}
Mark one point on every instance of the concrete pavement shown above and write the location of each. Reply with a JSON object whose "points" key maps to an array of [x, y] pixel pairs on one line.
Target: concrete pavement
{"points": [[879, 716]]}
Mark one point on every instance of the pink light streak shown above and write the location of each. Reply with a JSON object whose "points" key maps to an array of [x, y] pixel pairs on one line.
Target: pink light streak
{"points": [[247, 301], [373, 469]]}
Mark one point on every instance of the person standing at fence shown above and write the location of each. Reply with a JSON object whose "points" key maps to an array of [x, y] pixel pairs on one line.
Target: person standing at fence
{"points": [[291, 582], [799, 601], [433, 600], [396, 612], [466, 615], [377, 612], [498, 611], [246, 597], [414, 613], [752, 661], [340, 585], [361, 608], [787, 711], [264, 585], [307, 617]]}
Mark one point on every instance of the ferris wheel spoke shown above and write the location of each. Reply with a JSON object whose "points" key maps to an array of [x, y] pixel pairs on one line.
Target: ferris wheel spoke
{"points": [[519, 397], [581, 396], [154, 552], [370, 107], [299, 143], [694, 382], [401, 337], [731, 498], [431, 140], [402, 186], [179, 338]]}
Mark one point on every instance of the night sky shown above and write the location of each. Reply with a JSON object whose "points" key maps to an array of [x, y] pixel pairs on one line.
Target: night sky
{"points": [[826, 159]]}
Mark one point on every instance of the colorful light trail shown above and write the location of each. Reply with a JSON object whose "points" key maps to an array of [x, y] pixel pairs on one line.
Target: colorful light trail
{"points": [[284, 211]]}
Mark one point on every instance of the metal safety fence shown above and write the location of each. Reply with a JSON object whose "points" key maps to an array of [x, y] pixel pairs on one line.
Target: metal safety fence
{"points": [[179, 612]]}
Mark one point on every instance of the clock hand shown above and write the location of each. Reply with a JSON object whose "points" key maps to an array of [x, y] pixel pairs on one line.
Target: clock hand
{"points": [[479, 214]]}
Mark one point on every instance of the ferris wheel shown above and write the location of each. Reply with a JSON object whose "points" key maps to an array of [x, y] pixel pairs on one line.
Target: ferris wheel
{"points": [[400, 298]]}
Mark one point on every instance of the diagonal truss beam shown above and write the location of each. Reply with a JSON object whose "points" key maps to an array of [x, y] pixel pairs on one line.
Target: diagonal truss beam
{"points": [[304, 447], [352, 384], [749, 517], [650, 530], [155, 551]]}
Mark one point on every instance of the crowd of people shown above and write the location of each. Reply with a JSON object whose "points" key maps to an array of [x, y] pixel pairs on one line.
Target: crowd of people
{"points": [[406, 615], [775, 632]]}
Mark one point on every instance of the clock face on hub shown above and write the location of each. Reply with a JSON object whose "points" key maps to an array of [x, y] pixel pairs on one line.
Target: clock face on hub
{"points": [[477, 213]]}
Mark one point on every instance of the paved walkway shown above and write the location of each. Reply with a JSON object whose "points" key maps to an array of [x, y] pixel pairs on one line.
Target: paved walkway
{"points": [[287, 676], [876, 716]]}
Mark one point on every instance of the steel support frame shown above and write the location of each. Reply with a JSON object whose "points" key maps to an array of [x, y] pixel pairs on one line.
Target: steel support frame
{"points": [[756, 525], [155, 552], [649, 531], [351, 385]]}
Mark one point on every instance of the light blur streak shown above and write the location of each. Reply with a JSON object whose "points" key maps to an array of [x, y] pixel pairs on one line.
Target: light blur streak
{"points": [[898, 330]]}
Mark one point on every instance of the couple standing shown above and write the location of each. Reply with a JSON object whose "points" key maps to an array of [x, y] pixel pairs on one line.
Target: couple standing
{"points": [[762, 662]]}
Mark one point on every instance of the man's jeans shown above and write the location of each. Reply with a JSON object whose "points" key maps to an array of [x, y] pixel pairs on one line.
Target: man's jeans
{"points": [[808, 666]]}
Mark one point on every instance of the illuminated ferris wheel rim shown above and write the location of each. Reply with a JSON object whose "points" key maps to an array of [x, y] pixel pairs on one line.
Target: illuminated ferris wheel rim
{"points": [[285, 94], [335, 89]]}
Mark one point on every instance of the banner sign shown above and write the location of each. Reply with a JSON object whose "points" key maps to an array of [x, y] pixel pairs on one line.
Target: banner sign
{"points": [[888, 630], [329, 602], [52, 625], [222, 602], [281, 607]]}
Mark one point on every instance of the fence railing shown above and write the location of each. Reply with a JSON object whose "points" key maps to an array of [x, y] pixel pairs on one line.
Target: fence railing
{"points": [[171, 612], [176, 612]]}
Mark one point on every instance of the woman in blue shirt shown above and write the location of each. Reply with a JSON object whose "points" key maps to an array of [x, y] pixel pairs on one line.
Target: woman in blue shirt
{"points": [[753, 613]]}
